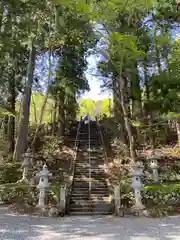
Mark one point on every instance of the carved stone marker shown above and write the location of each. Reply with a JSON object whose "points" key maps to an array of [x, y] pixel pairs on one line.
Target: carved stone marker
{"points": [[43, 185]]}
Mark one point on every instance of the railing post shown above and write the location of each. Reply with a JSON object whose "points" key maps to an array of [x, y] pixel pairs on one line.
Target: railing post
{"points": [[75, 144], [103, 144], [117, 198], [63, 196], [89, 143]]}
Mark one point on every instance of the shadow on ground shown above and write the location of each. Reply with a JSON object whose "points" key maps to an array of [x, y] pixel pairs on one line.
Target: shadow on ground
{"points": [[14, 227]]}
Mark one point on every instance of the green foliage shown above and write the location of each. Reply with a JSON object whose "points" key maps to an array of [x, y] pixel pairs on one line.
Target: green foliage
{"points": [[94, 108], [170, 173], [37, 101], [18, 193], [54, 194], [10, 173], [126, 192], [4, 112], [51, 145], [152, 195], [161, 194]]}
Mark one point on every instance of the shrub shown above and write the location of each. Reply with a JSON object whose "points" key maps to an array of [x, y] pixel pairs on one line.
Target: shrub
{"points": [[126, 192], [169, 172], [18, 193], [162, 194], [10, 172], [152, 195], [54, 194]]}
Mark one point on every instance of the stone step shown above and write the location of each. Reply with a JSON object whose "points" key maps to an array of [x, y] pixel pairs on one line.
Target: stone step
{"points": [[87, 180], [89, 209], [92, 159], [86, 166], [95, 153], [95, 176], [103, 208], [86, 171], [82, 172], [91, 205], [76, 213], [94, 190], [80, 167], [93, 185], [95, 140], [92, 140], [93, 197], [102, 192], [93, 156], [85, 136], [92, 145], [94, 179], [96, 168]]}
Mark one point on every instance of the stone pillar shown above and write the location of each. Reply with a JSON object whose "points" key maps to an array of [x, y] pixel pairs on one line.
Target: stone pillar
{"points": [[136, 173], [154, 166], [43, 185], [117, 198], [62, 196]]}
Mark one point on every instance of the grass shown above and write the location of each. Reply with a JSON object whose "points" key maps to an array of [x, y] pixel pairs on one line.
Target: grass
{"points": [[164, 187]]}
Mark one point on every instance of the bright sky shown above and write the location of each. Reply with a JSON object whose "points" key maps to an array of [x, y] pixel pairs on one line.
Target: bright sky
{"points": [[94, 81]]}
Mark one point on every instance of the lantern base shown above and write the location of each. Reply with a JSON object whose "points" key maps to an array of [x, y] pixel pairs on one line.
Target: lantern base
{"points": [[23, 180], [42, 205], [138, 206]]}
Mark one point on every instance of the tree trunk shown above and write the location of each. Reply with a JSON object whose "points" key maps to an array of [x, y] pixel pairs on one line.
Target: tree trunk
{"points": [[148, 110], [178, 131], [126, 119], [34, 108], [118, 112], [136, 103], [1, 14], [158, 59], [21, 143], [61, 117], [44, 103], [6, 118], [54, 115], [11, 122]]}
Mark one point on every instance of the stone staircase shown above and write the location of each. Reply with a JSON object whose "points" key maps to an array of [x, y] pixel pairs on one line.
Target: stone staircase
{"points": [[90, 195]]}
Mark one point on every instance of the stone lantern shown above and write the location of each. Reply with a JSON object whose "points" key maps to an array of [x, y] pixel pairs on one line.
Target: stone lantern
{"points": [[27, 162], [43, 185], [154, 166], [136, 173]]}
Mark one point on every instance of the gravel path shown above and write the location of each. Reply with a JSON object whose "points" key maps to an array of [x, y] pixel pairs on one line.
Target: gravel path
{"points": [[13, 227]]}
